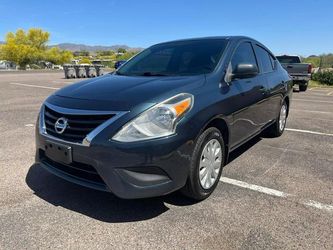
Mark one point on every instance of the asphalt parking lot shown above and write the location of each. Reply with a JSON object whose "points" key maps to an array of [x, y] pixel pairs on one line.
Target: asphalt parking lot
{"points": [[275, 192]]}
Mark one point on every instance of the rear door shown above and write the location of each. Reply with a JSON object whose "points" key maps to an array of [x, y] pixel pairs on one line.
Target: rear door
{"points": [[274, 83], [248, 119]]}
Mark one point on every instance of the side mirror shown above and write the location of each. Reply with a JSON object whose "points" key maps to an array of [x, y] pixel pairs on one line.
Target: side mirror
{"points": [[243, 70]]}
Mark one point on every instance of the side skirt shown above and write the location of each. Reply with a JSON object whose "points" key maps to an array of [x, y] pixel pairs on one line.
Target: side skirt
{"points": [[250, 137]]}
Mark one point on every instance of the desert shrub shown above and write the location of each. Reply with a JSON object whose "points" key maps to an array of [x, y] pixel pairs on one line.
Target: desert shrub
{"points": [[325, 77]]}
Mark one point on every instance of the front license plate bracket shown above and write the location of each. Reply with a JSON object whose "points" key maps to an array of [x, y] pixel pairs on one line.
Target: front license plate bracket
{"points": [[58, 152]]}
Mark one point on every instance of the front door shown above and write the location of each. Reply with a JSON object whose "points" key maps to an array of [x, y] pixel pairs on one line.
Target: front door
{"points": [[249, 102]]}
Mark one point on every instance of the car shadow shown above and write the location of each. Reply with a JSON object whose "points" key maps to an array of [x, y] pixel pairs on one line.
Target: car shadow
{"points": [[99, 205], [245, 147], [105, 206]]}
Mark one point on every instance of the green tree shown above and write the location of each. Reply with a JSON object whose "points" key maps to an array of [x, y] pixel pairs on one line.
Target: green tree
{"points": [[1, 51], [38, 38], [121, 50], [25, 47], [315, 61], [105, 53], [322, 61], [85, 60], [328, 60], [126, 55], [31, 47], [81, 53], [56, 56]]}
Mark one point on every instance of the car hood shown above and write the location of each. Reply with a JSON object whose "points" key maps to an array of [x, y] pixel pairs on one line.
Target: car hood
{"points": [[115, 92]]}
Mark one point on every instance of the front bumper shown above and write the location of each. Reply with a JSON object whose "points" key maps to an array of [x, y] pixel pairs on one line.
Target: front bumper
{"points": [[129, 170]]}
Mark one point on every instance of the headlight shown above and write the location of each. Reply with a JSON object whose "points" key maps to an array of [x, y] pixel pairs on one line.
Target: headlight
{"points": [[158, 121]]}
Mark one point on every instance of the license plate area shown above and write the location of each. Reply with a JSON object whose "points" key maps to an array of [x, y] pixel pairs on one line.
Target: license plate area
{"points": [[58, 152]]}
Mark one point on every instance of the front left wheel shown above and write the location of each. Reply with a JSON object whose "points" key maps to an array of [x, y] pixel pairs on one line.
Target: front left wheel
{"points": [[206, 165]]}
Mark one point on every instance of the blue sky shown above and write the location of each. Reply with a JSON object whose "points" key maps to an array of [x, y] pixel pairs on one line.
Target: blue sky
{"points": [[286, 26]]}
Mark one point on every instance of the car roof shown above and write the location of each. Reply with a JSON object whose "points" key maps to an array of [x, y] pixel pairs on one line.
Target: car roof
{"points": [[290, 55], [230, 38], [233, 39]]}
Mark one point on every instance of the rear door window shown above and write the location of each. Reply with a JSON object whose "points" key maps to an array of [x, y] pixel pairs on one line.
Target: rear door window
{"points": [[272, 61], [264, 59]]}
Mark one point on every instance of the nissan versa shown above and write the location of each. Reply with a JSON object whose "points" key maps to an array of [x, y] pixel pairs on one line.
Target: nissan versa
{"points": [[167, 119]]}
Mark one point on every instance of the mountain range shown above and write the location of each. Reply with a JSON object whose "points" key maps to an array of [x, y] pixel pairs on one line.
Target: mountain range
{"points": [[91, 48]]}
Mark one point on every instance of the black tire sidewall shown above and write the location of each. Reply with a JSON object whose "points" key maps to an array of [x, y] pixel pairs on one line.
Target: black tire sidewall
{"points": [[303, 88]]}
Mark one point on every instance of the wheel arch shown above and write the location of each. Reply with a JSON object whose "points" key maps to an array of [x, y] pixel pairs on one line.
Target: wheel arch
{"points": [[221, 124]]}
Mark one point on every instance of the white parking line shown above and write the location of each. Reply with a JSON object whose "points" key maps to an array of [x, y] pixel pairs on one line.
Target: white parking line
{"points": [[317, 94], [306, 100], [253, 187], [330, 93], [63, 82], [316, 89], [32, 86], [312, 111], [307, 131], [318, 205], [277, 193]]}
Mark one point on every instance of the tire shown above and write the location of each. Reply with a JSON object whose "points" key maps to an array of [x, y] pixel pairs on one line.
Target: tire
{"points": [[303, 87], [194, 187], [277, 129]]}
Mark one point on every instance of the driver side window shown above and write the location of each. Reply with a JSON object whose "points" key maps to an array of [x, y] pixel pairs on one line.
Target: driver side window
{"points": [[243, 55]]}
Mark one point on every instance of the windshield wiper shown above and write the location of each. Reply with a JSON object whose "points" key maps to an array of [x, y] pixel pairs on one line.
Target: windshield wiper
{"points": [[118, 73], [152, 74], [141, 74]]}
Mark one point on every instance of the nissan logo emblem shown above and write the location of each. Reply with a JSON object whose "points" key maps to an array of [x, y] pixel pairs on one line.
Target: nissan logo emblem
{"points": [[60, 125]]}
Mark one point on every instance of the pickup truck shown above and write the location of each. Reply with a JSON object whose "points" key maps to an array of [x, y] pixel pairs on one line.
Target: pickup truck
{"points": [[299, 72]]}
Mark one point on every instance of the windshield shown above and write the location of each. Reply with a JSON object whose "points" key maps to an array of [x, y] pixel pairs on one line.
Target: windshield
{"points": [[176, 59], [288, 59]]}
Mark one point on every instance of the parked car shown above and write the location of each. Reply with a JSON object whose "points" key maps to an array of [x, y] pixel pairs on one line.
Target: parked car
{"points": [[166, 120], [118, 64], [58, 67], [299, 72], [44, 65], [7, 65]]}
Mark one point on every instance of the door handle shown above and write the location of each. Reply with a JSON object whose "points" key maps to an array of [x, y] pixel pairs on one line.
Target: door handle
{"points": [[289, 67], [263, 90]]}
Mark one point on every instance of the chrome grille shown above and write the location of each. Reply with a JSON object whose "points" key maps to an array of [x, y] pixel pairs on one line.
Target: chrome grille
{"points": [[79, 126]]}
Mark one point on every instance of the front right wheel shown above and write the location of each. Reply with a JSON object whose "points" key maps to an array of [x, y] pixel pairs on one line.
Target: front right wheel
{"points": [[206, 165]]}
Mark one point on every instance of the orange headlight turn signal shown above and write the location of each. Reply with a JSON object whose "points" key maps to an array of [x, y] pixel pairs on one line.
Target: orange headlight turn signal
{"points": [[182, 106]]}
